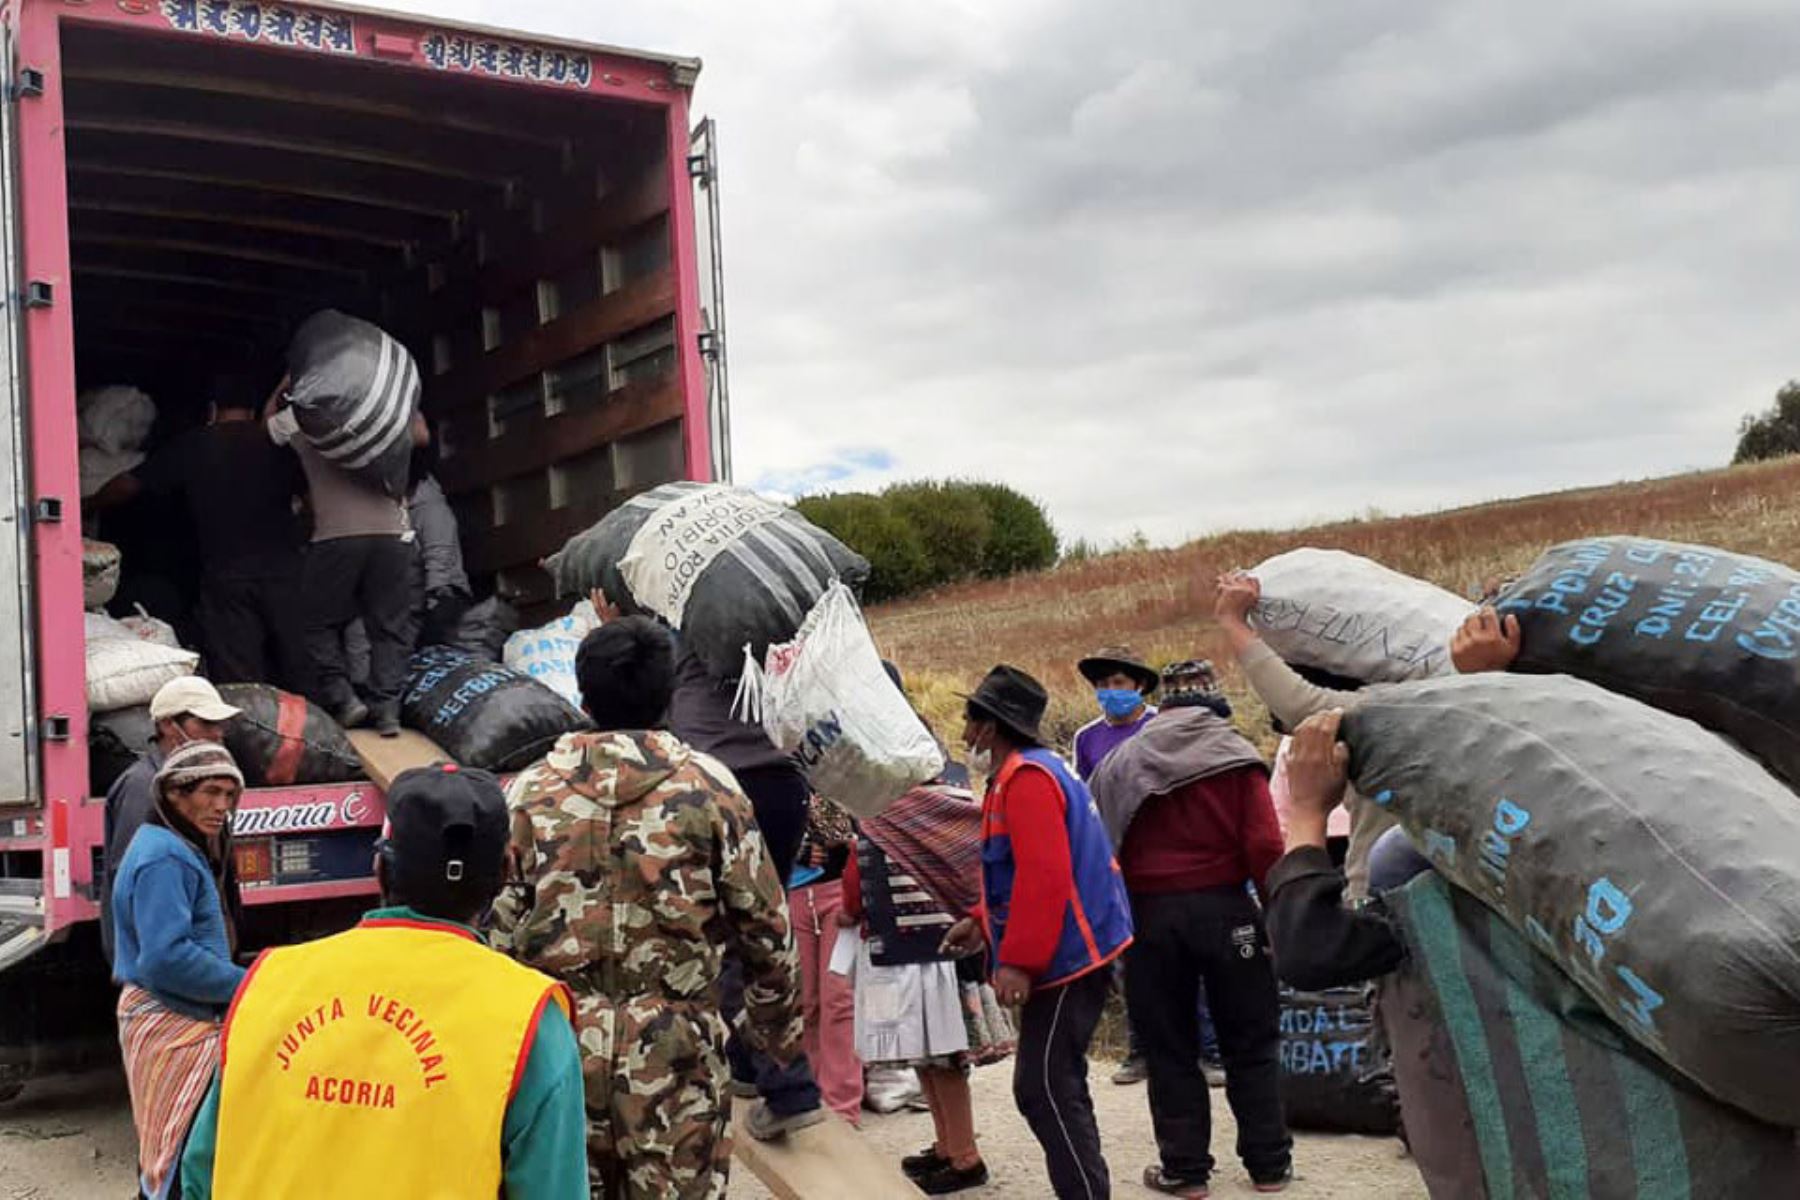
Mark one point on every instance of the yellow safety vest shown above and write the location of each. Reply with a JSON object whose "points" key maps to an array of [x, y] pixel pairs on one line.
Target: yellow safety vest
{"points": [[375, 1063]]}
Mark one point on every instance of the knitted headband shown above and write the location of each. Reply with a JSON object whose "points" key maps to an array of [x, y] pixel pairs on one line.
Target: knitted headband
{"points": [[194, 762]]}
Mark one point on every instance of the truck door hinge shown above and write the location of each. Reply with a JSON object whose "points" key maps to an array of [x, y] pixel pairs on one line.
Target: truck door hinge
{"points": [[48, 510], [710, 343], [56, 728], [29, 84], [39, 294], [699, 167]]}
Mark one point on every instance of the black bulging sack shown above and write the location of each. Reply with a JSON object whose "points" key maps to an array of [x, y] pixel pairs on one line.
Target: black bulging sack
{"points": [[354, 390], [1692, 630], [1336, 1076], [116, 740], [483, 714], [281, 740]]}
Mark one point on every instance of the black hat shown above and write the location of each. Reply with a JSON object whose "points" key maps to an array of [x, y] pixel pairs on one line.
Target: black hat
{"points": [[1118, 660], [1015, 700], [446, 834]]}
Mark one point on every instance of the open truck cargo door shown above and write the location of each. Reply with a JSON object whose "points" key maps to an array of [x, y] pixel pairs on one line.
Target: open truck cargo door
{"points": [[703, 168]]}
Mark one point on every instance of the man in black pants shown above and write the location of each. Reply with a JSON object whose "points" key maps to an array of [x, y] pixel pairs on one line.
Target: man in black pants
{"points": [[700, 715], [359, 565], [1187, 803]]}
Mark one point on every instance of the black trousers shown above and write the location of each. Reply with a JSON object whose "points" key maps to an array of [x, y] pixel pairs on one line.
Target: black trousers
{"points": [[1050, 1083], [347, 578], [252, 625], [1215, 939], [779, 794]]}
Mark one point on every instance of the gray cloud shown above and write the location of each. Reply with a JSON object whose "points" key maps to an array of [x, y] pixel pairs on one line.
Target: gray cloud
{"points": [[1176, 267]]}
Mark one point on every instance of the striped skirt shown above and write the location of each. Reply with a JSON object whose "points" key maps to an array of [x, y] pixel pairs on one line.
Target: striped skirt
{"points": [[169, 1064]]}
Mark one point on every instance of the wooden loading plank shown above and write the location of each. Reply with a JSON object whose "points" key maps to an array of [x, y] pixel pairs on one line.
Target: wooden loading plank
{"points": [[386, 759], [830, 1161]]}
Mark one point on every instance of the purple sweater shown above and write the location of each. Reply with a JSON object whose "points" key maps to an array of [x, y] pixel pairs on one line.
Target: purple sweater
{"points": [[1097, 739]]}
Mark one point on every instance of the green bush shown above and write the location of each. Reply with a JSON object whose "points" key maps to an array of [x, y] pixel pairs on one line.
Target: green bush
{"points": [[953, 526], [898, 564], [1772, 434], [1020, 536]]}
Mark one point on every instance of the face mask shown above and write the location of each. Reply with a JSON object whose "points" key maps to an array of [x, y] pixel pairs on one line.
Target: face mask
{"points": [[981, 762], [1119, 703]]}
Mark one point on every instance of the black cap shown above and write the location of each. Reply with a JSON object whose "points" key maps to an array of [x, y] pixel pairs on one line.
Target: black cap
{"points": [[445, 837], [1014, 699]]}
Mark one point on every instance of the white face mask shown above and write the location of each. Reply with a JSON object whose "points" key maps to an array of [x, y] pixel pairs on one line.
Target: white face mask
{"points": [[981, 761]]}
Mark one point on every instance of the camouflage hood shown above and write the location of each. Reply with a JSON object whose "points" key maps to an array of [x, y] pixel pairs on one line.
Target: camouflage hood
{"points": [[617, 768]]}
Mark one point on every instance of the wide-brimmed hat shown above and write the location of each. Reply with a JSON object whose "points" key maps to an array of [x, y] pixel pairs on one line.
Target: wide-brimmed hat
{"points": [[1117, 660], [1015, 700]]}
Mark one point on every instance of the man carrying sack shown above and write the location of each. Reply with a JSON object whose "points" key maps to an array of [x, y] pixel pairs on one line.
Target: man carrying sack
{"points": [[402, 1057]]}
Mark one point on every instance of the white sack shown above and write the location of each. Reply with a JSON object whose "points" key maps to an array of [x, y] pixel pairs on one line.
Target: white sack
{"points": [[547, 653], [123, 670], [1354, 617], [111, 424]]}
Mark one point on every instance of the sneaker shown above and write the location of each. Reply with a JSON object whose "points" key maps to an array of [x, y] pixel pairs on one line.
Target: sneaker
{"points": [[742, 1089], [950, 1179], [1277, 1184], [926, 1162], [352, 714], [766, 1126], [1160, 1181], [1132, 1070], [1214, 1072], [387, 720]]}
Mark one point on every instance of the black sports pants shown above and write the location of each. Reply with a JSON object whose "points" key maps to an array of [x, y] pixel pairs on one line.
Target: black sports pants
{"points": [[347, 578]]}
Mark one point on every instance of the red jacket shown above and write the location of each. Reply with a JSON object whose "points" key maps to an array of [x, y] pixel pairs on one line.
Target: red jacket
{"points": [[1217, 832]]}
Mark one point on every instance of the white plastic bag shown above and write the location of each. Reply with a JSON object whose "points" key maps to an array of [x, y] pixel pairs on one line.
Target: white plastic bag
{"points": [[1354, 617], [112, 424], [124, 670], [824, 699], [547, 653]]}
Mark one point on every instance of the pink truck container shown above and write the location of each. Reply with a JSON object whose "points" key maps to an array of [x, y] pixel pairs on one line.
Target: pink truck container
{"points": [[182, 182]]}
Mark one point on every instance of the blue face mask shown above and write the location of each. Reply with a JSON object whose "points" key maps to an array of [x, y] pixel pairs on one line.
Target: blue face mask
{"points": [[1119, 703]]}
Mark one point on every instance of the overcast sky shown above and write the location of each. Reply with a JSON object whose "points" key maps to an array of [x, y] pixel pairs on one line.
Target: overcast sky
{"points": [[1181, 266]]}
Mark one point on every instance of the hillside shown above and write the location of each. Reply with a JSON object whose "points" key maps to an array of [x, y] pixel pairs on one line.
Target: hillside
{"points": [[1160, 601]]}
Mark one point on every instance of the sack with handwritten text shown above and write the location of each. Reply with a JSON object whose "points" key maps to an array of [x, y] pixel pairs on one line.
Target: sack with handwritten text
{"points": [[354, 390], [547, 653], [724, 566], [1650, 859], [1692, 630], [1336, 1076], [280, 740], [483, 714], [825, 699], [1351, 616]]}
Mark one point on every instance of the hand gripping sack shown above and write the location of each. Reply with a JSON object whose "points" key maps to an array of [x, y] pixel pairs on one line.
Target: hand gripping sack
{"points": [[483, 714], [1354, 617], [1335, 1073], [123, 670], [1707, 635], [724, 566], [547, 653], [1653, 862], [824, 699], [354, 390], [280, 740]]}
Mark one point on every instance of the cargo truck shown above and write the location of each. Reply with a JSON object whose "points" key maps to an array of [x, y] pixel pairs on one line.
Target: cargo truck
{"points": [[182, 182]]}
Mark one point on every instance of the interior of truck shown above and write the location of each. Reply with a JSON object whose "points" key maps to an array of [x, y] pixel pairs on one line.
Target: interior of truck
{"points": [[516, 239]]}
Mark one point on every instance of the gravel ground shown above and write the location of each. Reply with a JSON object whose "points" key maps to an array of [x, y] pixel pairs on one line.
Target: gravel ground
{"points": [[71, 1139]]}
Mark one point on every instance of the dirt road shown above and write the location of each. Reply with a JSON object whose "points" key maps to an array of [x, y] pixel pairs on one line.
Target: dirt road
{"points": [[72, 1140]]}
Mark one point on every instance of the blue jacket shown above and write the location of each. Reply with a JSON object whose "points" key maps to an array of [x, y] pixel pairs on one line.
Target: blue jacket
{"points": [[169, 926], [1096, 926]]}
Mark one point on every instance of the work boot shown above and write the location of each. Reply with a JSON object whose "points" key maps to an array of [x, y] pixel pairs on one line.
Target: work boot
{"points": [[1132, 1070], [765, 1125], [387, 720], [351, 714], [953, 1179], [926, 1162]]}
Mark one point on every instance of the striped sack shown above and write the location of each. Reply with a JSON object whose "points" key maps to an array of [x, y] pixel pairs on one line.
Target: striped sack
{"points": [[1513, 1083], [354, 390]]}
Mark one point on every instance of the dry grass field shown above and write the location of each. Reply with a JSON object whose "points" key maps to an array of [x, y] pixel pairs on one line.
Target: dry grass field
{"points": [[1160, 601]]}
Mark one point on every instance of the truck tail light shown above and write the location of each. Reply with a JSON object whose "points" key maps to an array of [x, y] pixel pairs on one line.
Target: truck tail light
{"points": [[255, 861]]}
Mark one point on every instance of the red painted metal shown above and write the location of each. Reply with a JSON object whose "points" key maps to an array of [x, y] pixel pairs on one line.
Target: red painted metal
{"points": [[696, 421], [397, 43]]}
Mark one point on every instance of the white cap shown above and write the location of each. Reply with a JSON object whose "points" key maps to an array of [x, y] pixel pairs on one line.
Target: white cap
{"points": [[190, 696]]}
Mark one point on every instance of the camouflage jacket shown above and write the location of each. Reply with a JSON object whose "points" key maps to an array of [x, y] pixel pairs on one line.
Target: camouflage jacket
{"points": [[639, 861]]}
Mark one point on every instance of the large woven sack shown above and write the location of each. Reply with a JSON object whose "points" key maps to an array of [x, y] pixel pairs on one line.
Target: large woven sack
{"points": [[354, 390], [111, 424], [1515, 1085], [547, 653], [1354, 617], [483, 714], [123, 670], [724, 566], [280, 740], [1692, 630], [116, 740], [99, 573], [1336, 1076], [1654, 862]]}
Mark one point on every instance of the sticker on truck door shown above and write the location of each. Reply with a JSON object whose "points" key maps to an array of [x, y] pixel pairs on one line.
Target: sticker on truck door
{"points": [[274, 24]]}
